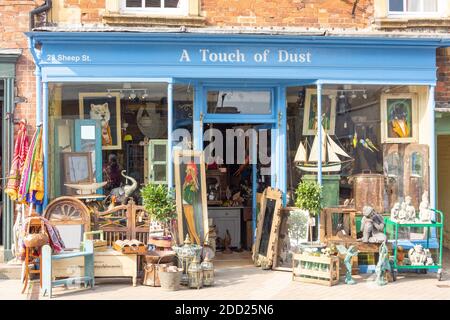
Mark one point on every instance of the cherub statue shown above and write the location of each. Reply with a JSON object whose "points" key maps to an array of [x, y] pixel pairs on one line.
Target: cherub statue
{"points": [[402, 214], [424, 209], [395, 211], [349, 253], [410, 210], [383, 265], [420, 256], [372, 226]]}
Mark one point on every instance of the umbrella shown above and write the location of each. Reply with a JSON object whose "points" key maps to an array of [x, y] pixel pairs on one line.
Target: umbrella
{"points": [[31, 188], [20, 152]]}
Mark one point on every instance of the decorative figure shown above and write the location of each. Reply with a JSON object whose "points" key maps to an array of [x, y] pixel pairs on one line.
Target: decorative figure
{"points": [[121, 194], [372, 226], [424, 209], [383, 265], [191, 188], [419, 256], [227, 243], [395, 211], [101, 112], [352, 251], [410, 210]]}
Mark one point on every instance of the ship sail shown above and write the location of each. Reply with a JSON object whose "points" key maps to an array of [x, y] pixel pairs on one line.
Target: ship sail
{"points": [[314, 155], [335, 148], [300, 156]]}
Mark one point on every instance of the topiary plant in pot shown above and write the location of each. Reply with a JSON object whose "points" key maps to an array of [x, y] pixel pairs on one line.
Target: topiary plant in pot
{"points": [[308, 197], [159, 202]]}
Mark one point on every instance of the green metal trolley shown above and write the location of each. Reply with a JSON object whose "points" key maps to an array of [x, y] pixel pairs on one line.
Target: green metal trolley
{"points": [[438, 224]]}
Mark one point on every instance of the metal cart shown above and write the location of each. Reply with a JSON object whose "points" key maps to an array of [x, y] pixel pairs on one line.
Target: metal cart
{"points": [[437, 224]]}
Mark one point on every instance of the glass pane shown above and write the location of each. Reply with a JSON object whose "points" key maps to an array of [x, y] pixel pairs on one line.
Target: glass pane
{"points": [[429, 5], [413, 5], [235, 101], [183, 101], [172, 3], [396, 5], [133, 3], [159, 153], [153, 3], [399, 115], [159, 172], [416, 164]]}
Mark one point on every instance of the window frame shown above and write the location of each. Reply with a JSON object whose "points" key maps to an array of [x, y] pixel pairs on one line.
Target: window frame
{"points": [[183, 10], [401, 14]]}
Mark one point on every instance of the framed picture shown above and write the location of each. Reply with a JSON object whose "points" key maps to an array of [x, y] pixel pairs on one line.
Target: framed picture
{"points": [[328, 112], [269, 219], [190, 191], [399, 118], [77, 169], [105, 108]]}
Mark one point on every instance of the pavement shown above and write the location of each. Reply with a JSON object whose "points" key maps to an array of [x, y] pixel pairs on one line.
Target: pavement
{"points": [[236, 278]]}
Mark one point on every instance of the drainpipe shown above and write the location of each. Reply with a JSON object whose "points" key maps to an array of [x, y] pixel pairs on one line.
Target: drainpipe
{"points": [[45, 7]]}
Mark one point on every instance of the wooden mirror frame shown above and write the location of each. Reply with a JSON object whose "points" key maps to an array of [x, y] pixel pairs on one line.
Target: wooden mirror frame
{"points": [[265, 261]]}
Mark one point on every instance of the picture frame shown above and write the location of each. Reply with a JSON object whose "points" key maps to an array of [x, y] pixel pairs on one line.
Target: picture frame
{"points": [[399, 118], [109, 104], [77, 169], [293, 231], [192, 208], [269, 219], [328, 108]]}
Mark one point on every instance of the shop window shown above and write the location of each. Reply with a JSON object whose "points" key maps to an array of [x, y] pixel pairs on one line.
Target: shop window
{"points": [[175, 7], [240, 101], [414, 7], [98, 130], [371, 153]]}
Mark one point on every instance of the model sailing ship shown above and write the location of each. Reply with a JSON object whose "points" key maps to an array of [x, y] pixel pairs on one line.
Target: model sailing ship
{"points": [[330, 151]]}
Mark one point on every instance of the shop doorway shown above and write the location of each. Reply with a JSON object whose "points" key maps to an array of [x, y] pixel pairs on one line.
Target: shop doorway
{"points": [[443, 157], [3, 182]]}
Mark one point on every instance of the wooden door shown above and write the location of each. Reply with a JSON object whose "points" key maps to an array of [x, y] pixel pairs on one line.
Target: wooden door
{"points": [[443, 180]]}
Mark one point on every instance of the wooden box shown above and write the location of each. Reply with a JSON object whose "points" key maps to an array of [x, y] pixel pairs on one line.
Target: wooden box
{"points": [[315, 269], [329, 228], [129, 247]]}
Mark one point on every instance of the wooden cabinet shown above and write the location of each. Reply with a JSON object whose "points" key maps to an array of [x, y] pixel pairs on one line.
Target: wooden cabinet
{"points": [[227, 218]]}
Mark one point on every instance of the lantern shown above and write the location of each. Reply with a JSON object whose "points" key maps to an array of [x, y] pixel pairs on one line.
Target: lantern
{"points": [[208, 272], [186, 254], [195, 274]]}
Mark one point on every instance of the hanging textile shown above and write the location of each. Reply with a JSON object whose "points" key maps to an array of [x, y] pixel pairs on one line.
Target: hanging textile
{"points": [[21, 148]]}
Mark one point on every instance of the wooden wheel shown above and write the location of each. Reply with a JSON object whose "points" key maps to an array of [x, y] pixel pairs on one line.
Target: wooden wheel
{"points": [[68, 210]]}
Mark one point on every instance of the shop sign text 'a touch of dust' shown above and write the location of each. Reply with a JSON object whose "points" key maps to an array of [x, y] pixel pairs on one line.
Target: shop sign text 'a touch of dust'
{"points": [[237, 56]]}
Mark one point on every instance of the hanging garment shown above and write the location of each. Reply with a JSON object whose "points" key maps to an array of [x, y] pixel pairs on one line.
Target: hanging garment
{"points": [[20, 152]]}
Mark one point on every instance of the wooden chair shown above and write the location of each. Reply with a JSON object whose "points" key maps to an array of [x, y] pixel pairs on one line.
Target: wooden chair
{"points": [[72, 219]]}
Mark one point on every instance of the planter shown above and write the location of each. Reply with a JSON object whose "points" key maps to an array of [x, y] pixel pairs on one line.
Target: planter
{"points": [[170, 280]]}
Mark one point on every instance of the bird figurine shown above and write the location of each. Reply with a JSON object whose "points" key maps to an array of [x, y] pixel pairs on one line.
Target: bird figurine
{"points": [[370, 143], [365, 145], [355, 140]]}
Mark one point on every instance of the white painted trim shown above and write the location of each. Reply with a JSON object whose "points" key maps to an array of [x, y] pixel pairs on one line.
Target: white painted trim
{"points": [[183, 10]]}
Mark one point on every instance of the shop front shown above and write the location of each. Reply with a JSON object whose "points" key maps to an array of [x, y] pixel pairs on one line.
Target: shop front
{"points": [[252, 103]]}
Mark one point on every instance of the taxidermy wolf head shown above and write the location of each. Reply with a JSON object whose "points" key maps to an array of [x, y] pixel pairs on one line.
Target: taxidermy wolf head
{"points": [[100, 112]]}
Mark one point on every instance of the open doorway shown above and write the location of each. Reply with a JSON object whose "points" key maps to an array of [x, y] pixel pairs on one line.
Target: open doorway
{"points": [[3, 182], [238, 158]]}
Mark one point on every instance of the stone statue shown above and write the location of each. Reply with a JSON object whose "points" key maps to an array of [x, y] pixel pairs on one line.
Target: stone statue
{"points": [[351, 252], [383, 265], [372, 226], [395, 211], [402, 215], [420, 256], [410, 210], [424, 209]]}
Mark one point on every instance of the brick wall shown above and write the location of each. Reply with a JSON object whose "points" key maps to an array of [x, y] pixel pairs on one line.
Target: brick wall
{"points": [[288, 13], [14, 21], [443, 75]]}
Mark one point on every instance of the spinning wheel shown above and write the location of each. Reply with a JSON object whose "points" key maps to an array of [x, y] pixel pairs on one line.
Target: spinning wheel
{"points": [[68, 211]]}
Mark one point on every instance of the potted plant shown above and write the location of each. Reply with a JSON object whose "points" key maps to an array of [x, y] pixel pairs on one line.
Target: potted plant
{"points": [[308, 197], [159, 202]]}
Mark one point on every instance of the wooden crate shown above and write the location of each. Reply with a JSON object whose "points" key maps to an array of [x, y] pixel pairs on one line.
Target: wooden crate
{"points": [[325, 276]]}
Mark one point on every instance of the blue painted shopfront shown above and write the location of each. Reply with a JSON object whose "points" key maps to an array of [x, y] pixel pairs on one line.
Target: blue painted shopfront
{"points": [[269, 62]]}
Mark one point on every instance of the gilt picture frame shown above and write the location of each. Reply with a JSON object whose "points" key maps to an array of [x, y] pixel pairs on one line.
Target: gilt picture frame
{"points": [[108, 106], [399, 118], [328, 112]]}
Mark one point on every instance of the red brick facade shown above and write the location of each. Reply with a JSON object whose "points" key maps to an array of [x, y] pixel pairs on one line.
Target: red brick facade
{"points": [[443, 75], [288, 13]]}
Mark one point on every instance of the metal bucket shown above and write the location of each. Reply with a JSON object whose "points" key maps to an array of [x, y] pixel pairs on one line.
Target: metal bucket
{"points": [[170, 280]]}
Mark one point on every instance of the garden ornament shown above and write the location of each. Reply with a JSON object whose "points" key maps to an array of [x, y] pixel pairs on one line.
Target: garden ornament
{"points": [[424, 209], [124, 192], [383, 265], [352, 251], [372, 226]]}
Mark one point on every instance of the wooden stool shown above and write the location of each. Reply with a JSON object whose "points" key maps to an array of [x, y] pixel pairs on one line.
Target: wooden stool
{"points": [[31, 256]]}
